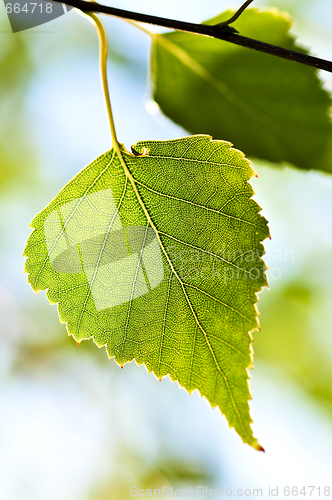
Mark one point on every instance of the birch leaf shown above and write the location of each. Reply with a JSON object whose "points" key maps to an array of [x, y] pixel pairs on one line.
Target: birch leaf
{"points": [[161, 262]]}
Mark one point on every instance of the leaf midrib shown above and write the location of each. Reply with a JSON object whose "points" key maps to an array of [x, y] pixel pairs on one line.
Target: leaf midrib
{"points": [[182, 285]]}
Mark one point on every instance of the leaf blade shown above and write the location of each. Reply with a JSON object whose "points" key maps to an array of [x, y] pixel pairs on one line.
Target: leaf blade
{"points": [[182, 226]]}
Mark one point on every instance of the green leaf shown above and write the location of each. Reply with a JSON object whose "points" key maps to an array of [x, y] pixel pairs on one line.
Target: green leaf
{"points": [[160, 262], [272, 108]]}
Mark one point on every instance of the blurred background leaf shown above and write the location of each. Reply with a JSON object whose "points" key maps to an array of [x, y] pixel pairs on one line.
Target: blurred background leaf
{"points": [[268, 107]]}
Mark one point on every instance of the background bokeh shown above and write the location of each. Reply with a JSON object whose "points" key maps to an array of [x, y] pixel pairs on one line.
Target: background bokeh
{"points": [[73, 426]]}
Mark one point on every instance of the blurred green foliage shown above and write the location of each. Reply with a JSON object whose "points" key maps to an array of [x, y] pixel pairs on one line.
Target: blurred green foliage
{"points": [[134, 470], [16, 70], [290, 338]]}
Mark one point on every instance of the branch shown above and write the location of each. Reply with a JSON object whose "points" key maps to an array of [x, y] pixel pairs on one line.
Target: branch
{"points": [[204, 29]]}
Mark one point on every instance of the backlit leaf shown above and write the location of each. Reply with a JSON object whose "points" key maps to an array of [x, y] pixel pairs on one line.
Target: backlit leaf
{"points": [[160, 262]]}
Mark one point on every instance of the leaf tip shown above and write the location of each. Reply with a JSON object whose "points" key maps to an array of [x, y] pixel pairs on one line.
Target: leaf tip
{"points": [[260, 448]]}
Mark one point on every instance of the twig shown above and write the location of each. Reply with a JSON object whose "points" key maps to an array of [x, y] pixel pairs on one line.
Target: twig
{"points": [[236, 15], [203, 29]]}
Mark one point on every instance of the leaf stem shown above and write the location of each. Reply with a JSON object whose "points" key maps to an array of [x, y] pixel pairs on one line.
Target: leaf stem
{"points": [[103, 69], [204, 29], [236, 15]]}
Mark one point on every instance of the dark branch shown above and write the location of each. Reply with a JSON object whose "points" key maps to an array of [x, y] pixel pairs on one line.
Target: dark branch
{"points": [[203, 29]]}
